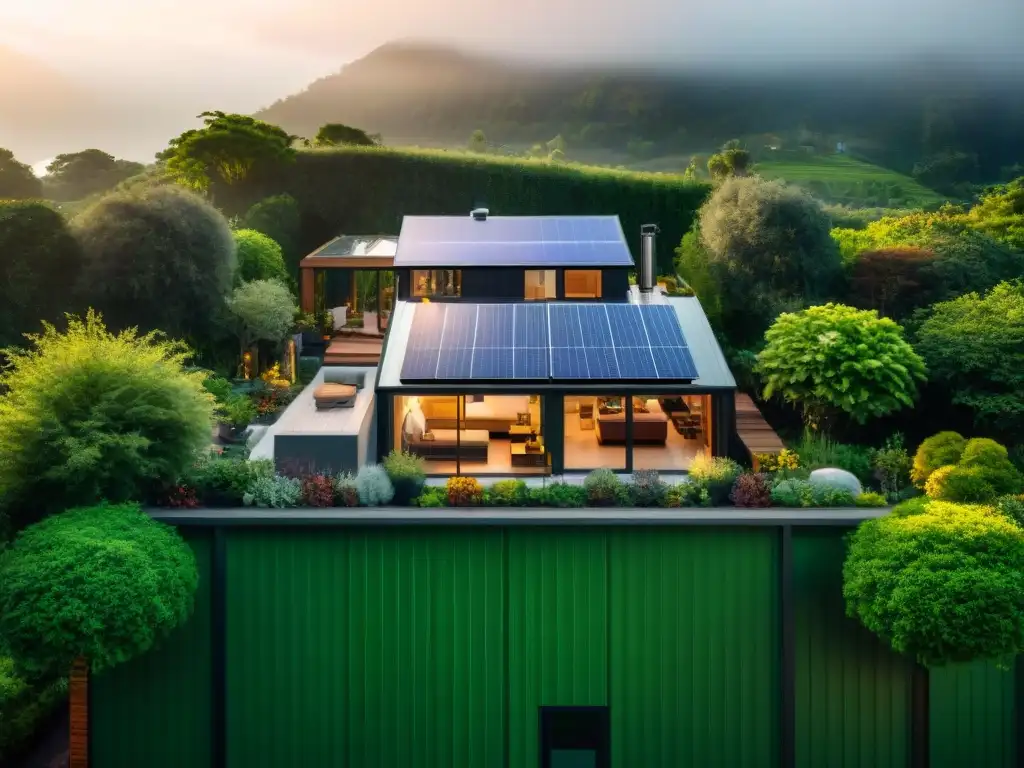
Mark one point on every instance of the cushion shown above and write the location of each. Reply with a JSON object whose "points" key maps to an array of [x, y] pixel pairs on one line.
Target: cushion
{"points": [[427, 436], [327, 395], [338, 375]]}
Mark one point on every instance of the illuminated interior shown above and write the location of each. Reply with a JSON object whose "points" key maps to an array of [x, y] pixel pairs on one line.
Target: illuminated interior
{"points": [[583, 284], [427, 283], [540, 284]]}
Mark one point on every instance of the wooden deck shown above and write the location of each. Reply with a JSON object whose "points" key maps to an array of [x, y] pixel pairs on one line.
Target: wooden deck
{"points": [[353, 350], [756, 434]]}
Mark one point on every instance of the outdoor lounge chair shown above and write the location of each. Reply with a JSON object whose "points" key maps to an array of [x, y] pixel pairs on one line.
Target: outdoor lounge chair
{"points": [[338, 390]]}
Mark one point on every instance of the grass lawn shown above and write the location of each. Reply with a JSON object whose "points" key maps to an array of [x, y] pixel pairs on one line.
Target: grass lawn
{"points": [[842, 179]]}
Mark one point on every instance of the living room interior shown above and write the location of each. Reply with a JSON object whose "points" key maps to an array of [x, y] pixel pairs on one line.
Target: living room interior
{"points": [[473, 434], [668, 431]]}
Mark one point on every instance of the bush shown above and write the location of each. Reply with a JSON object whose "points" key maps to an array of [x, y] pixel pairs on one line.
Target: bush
{"points": [[407, 473], [374, 487], [508, 493], [346, 492], [986, 453], [223, 482], [239, 411], [687, 494], [783, 461], [318, 491], [273, 492], [943, 586], [836, 478], [715, 474], [751, 490], [961, 484], [603, 488], [559, 495], [105, 582], [259, 257], [1012, 507], [262, 310], [464, 492], [817, 451], [279, 219], [89, 416], [915, 506], [647, 489], [219, 387], [433, 497], [792, 493], [892, 467], [830, 496], [939, 450], [24, 708], [871, 499]]}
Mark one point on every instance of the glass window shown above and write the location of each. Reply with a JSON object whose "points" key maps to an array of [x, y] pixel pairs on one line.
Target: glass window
{"points": [[583, 283], [669, 431], [540, 284], [436, 282], [595, 432]]}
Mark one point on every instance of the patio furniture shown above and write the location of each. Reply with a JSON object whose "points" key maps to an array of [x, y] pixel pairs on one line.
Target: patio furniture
{"points": [[338, 390]]}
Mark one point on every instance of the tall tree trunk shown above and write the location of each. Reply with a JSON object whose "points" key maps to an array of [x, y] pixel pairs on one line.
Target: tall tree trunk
{"points": [[78, 700]]}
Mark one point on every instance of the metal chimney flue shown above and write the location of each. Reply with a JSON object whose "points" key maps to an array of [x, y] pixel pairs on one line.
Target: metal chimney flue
{"points": [[479, 214], [647, 260]]}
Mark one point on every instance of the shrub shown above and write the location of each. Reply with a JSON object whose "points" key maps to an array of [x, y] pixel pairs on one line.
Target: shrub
{"points": [[1012, 507], [279, 219], [407, 473], [273, 492], [751, 490], [817, 451], [936, 451], [508, 493], [943, 586], [792, 493], [105, 582], [783, 461], [219, 387], [603, 488], [836, 478], [259, 257], [836, 359], [560, 495], [871, 499], [961, 484], [830, 496], [87, 416], [647, 489], [715, 474], [346, 492], [318, 491], [239, 411], [24, 707], [464, 492], [221, 482], [915, 506], [374, 487], [984, 452], [433, 497], [892, 466], [684, 494]]}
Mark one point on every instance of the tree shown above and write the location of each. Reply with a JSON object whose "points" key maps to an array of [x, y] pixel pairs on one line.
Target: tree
{"points": [[39, 262], [264, 310], [769, 245], [77, 175], [693, 265], [334, 134], [160, 259], [105, 582], [1000, 214], [895, 280], [974, 348], [477, 141], [17, 181], [259, 257], [228, 149], [280, 219], [833, 359], [87, 416], [942, 586], [732, 160]]}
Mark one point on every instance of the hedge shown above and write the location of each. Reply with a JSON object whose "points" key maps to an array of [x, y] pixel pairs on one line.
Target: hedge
{"points": [[367, 190]]}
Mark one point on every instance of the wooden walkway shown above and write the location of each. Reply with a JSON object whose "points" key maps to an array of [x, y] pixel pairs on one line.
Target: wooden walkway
{"points": [[756, 434], [353, 350]]}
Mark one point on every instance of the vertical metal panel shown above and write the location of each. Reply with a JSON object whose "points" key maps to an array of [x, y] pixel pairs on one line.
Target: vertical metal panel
{"points": [[972, 716], [694, 648], [154, 711], [557, 625], [853, 693], [366, 648]]}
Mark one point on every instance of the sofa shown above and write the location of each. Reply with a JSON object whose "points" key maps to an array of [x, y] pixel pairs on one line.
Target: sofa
{"points": [[442, 444], [650, 426], [495, 413]]}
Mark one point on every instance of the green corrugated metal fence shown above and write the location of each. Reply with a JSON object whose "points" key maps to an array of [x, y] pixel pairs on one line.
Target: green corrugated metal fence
{"points": [[972, 717]]}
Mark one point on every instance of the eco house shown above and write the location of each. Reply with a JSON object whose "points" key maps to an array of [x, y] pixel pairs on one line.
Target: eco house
{"points": [[536, 638]]}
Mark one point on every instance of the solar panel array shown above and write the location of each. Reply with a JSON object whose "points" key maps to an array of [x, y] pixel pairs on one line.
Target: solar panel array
{"points": [[566, 341], [548, 241]]}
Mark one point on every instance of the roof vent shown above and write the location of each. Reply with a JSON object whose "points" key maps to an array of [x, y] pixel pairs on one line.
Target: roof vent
{"points": [[479, 214]]}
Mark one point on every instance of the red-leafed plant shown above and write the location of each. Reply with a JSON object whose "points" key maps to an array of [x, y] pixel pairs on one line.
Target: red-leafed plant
{"points": [[318, 491], [751, 490], [181, 497]]}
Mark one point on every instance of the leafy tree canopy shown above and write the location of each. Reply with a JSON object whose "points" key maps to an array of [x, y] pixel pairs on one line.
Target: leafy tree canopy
{"points": [[1000, 214], [259, 257], [17, 181], [87, 416], [39, 263], [280, 219], [228, 149], [835, 358], [76, 175], [944, 585], [106, 582], [264, 310], [974, 348], [161, 259], [894, 280], [333, 134]]}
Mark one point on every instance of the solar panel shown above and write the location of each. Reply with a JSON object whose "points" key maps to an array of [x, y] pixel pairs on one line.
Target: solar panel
{"points": [[569, 341], [460, 241]]}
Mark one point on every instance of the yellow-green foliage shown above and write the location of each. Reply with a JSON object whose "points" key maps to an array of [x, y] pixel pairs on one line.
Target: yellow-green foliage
{"points": [[369, 189], [464, 491], [982, 473], [934, 452], [88, 415]]}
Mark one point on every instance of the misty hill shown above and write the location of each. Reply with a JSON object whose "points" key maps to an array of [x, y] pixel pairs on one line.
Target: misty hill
{"points": [[894, 113]]}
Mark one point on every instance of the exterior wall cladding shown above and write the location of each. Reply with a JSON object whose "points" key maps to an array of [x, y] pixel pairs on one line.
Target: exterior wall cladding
{"points": [[408, 647]]}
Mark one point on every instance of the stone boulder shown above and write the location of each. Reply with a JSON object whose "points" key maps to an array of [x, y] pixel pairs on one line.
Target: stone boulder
{"points": [[837, 478]]}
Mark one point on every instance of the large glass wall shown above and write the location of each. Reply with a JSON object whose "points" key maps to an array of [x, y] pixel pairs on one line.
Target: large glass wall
{"points": [[669, 431], [427, 283], [583, 283], [541, 284], [473, 434], [595, 432]]}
